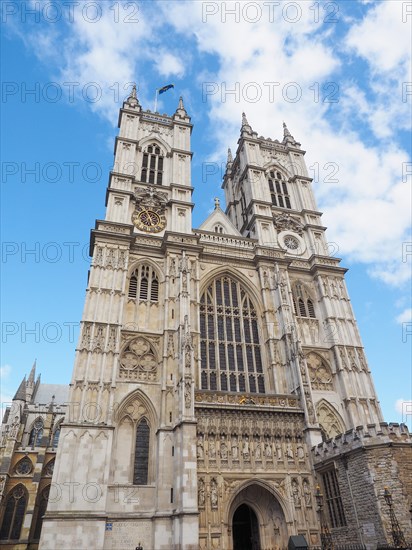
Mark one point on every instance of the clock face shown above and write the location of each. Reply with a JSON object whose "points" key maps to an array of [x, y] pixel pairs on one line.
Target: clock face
{"points": [[148, 220]]}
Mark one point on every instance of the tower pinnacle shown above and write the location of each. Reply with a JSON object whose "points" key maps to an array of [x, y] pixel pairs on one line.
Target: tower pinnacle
{"points": [[132, 100]]}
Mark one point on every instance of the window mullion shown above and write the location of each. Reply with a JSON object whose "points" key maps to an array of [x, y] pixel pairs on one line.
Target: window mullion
{"points": [[242, 334]]}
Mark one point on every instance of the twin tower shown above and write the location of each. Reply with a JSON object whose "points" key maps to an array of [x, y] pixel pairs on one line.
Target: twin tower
{"points": [[216, 365]]}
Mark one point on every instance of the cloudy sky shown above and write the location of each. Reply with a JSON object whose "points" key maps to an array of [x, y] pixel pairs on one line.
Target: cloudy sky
{"points": [[337, 72]]}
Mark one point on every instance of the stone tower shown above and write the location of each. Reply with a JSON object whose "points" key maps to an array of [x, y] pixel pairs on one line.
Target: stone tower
{"points": [[127, 458], [210, 360], [270, 199]]}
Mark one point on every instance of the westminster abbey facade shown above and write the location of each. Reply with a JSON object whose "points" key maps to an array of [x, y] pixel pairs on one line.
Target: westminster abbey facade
{"points": [[220, 381]]}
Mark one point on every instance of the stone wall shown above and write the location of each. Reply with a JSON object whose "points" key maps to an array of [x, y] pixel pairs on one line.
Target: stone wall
{"points": [[366, 460]]}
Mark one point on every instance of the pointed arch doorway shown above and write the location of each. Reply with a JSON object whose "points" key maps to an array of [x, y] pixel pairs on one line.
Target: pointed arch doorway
{"points": [[257, 518], [245, 529]]}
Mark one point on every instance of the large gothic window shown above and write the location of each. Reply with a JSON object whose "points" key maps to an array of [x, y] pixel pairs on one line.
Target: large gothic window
{"points": [[144, 284], [152, 165], [230, 348], [279, 190], [141, 457], [36, 433], [14, 511]]}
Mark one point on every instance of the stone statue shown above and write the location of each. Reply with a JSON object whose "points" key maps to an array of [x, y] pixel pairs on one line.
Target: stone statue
{"points": [[200, 451], [235, 449], [212, 449], [223, 449], [213, 493], [201, 493], [258, 451], [295, 493], [268, 449], [307, 493], [245, 450]]}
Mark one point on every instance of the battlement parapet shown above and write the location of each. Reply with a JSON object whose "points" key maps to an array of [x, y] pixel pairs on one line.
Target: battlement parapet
{"points": [[362, 436]]}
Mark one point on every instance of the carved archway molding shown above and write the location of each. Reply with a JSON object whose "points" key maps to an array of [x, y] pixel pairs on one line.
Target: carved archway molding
{"points": [[136, 405], [329, 419], [284, 504]]}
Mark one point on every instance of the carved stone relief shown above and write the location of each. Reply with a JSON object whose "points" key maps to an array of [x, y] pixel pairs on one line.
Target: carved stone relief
{"points": [[319, 372], [138, 361]]}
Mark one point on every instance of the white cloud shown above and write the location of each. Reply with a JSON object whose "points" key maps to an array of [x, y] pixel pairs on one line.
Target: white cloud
{"points": [[368, 207], [383, 37], [405, 316], [4, 371], [169, 65], [402, 406]]}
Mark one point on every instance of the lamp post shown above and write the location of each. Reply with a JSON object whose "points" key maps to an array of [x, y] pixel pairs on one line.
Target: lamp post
{"points": [[325, 535], [397, 534], [139, 547]]}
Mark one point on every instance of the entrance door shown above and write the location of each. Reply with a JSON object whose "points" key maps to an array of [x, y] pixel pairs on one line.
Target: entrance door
{"points": [[245, 529]]}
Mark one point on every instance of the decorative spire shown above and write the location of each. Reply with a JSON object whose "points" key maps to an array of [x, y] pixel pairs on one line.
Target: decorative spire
{"points": [[21, 392], [246, 127], [181, 111], [285, 130], [133, 95], [217, 203], [132, 99], [287, 136], [229, 156], [32, 374]]}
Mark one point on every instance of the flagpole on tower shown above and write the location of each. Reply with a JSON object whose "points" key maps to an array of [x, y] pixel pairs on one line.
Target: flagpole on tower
{"points": [[156, 96]]}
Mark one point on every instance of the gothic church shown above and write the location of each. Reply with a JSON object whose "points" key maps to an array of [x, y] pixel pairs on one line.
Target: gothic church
{"points": [[220, 380]]}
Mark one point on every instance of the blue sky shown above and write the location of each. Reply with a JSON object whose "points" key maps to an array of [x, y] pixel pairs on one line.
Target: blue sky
{"points": [[337, 72]]}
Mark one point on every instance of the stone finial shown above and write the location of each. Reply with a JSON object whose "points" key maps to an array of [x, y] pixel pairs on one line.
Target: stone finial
{"points": [[181, 111], [132, 99], [246, 127], [217, 203], [181, 108], [285, 130], [287, 136], [229, 156]]}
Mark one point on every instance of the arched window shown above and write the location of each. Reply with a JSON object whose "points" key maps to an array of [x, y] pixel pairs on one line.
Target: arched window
{"points": [[141, 456], [13, 517], [279, 190], [230, 348], [48, 469], [24, 467], [36, 433], [311, 309], [56, 435], [302, 302], [144, 284], [243, 205], [152, 165], [41, 504]]}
